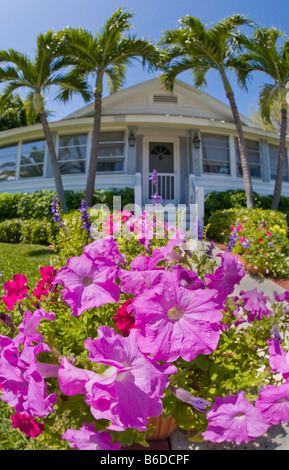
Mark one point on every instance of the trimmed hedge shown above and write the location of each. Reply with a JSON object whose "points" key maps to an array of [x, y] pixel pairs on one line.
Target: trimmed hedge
{"points": [[37, 205], [232, 198], [33, 231]]}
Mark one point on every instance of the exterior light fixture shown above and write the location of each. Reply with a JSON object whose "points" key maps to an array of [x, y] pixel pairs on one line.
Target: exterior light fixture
{"points": [[131, 139], [196, 141]]}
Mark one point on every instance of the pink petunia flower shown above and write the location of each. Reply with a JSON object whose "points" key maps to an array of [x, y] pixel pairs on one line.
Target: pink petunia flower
{"points": [[131, 388], [274, 403], [233, 418], [260, 240], [87, 283], [16, 290], [175, 321], [27, 424], [226, 276], [88, 439], [255, 303], [278, 359], [22, 377], [240, 228]]}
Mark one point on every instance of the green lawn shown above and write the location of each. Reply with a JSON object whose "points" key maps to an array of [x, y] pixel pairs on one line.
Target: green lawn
{"points": [[23, 259]]}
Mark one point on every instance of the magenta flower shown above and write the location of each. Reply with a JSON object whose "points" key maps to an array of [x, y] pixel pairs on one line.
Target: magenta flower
{"points": [[88, 439], [198, 403], [233, 418], [106, 247], [278, 359], [255, 303], [21, 376], [226, 276], [130, 390], [27, 424], [144, 273], [16, 290], [175, 321], [87, 283], [274, 403]]}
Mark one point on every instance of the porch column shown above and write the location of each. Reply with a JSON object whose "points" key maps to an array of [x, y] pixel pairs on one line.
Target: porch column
{"points": [[265, 159], [131, 151], [195, 153]]}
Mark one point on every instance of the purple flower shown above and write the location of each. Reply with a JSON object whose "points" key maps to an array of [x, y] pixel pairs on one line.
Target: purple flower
{"points": [[154, 177], [55, 212], [21, 376], [142, 275], [278, 359], [131, 388], [198, 403], [255, 303], [175, 321], [274, 403], [85, 216], [225, 277], [88, 439], [233, 418], [105, 247], [87, 283]]}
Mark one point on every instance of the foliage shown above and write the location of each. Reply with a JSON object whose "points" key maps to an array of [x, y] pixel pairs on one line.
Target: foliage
{"points": [[240, 361], [259, 237], [235, 198], [13, 114], [38, 204]]}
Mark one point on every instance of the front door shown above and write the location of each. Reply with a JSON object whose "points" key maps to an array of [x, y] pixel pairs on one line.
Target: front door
{"points": [[162, 159]]}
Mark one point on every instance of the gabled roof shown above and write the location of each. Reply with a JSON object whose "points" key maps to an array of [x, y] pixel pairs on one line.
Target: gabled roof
{"points": [[151, 98]]}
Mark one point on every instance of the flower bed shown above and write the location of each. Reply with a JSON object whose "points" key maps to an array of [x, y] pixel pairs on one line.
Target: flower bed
{"points": [[129, 329], [258, 237]]}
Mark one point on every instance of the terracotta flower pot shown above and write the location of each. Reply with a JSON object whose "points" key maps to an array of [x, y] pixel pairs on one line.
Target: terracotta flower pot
{"points": [[164, 428], [250, 268]]}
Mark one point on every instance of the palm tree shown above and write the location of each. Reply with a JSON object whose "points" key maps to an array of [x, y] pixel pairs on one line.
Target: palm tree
{"points": [[106, 54], [198, 49], [264, 55], [37, 76]]}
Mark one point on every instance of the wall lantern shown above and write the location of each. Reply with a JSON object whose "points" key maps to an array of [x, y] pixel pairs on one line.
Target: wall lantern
{"points": [[196, 141], [131, 139]]}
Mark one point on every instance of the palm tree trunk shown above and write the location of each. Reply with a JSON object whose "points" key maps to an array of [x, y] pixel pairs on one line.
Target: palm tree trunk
{"points": [[90, 185], [242, 144], [281, 159], [54, 162]]}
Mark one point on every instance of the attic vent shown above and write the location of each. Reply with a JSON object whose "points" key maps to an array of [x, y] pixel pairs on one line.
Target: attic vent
{"points": [[165, 99]]}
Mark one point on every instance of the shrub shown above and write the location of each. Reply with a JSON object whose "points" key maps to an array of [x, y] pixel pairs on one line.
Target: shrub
{"points": [[9, 206], [31, 231], [259, 236], [237, 199], [37, 205], [10, 231]]}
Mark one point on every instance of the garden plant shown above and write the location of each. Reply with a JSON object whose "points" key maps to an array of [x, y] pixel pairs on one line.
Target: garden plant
{"points": [[129, 326]]}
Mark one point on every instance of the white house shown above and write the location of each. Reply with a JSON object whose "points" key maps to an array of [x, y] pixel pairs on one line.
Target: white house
{"points": [[188, 136]]}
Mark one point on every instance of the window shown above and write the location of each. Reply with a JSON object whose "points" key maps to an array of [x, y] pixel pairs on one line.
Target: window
{"points": [[216, 154], [8, 156], [254, 158], [32, 159], [273, 154], [111, 152], [72, 153]]}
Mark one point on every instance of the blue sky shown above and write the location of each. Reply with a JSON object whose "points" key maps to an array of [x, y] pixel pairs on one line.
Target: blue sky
{"points": [[22, 20]]}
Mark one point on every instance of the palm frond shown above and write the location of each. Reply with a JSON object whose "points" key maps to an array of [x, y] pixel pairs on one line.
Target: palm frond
{"points": [[269, 94]]}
